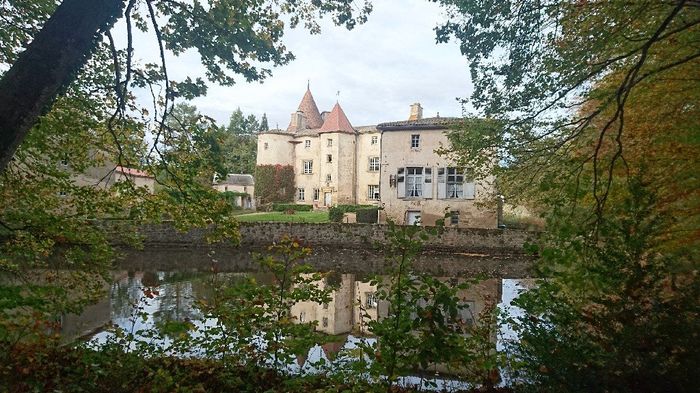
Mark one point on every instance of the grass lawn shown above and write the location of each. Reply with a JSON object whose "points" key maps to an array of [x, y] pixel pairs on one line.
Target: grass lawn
{"points": [[313, 216]]}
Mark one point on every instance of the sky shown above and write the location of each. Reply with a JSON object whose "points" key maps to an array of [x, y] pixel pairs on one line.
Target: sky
{"points": [[379, 69]]}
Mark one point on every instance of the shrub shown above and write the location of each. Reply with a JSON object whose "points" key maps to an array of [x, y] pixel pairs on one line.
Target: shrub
{"points": [[368, 216], [335, 214], [283, 207], [352, 208], [231, 196]]}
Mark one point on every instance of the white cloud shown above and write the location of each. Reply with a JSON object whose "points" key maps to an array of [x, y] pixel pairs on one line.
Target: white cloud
{"points": [[380, 68]]}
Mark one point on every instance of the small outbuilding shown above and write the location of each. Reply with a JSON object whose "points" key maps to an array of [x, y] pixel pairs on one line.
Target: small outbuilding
{"points": [[242, 186]]}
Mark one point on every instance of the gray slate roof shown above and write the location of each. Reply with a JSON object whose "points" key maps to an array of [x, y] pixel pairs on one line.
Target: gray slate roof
{"points": [[426, 123], [237, 179], [366, 129]]}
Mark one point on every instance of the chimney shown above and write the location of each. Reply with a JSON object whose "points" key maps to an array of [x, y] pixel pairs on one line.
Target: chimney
{"points": [[416, 112], [299, 120]]}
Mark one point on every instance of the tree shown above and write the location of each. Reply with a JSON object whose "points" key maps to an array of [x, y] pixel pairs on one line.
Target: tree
{"points": [[50, 62], [263, 123], [239, 124], [189, 132], [241, 143], [595, 121], [69, 113], [72, 31], [536, 66]]}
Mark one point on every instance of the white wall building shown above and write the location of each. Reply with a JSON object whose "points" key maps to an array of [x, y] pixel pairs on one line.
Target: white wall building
{"points": [[241, 184], [392, 165]]}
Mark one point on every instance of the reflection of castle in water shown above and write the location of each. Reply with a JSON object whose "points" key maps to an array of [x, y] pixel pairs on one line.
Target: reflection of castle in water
{"points": [[354, 298]]}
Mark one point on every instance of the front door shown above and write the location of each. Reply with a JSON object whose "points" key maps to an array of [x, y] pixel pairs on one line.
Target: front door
{"points": [[413, 217], [326, 199]]}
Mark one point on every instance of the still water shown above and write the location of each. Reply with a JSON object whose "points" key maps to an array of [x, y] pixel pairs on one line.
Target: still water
{"points": [[139, 301]]}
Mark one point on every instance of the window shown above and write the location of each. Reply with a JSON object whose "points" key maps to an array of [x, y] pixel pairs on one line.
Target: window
{"points": [[328, 177], [373, 164], [330, 142], [307, 143], [329, 158], [325, 306], [266, 146], [225, 188], [317, 194], [373, 192], [308, 167], [300, 194], [415, 141], [62, 193], [370, 300], [467, 313], [375, 139], [64, 161], [454, 217], [325, 321], [414, 181], [302, 317], [455, 183]]}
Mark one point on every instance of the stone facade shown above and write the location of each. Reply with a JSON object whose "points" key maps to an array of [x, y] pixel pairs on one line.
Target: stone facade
{"points": [[334, 317], [323, 152], [368, 165], [418, 184], [336, 163], [241, 184], [462, 240]]}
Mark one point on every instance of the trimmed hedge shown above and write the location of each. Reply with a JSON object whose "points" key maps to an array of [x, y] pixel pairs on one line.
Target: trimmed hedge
{"points": [[283, 207], [335, 214], [368, 216], [353, 208]]}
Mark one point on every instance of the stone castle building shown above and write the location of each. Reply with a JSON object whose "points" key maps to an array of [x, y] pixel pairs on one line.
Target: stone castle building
{"points": [[391, 165]]}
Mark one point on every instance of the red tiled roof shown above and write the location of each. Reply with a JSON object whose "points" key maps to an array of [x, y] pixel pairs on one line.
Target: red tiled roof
{"points": [[131, 171], [336, 121], [310, 110]]}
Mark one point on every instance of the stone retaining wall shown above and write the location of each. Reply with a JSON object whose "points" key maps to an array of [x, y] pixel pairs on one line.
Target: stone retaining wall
{"points": [[347, 248], [360, 236]]}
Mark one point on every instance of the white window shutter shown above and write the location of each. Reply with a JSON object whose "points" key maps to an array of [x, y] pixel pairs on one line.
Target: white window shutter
{"points": [[469, 190], [428, 183], [441, 183], [401, 183]]}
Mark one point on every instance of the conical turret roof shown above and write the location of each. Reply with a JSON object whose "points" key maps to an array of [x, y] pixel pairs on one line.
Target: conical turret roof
{"points": [[336, 121], [311, 114]]}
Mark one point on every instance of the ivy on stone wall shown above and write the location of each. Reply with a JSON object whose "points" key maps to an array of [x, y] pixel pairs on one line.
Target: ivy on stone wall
{"points": [[274, 183]]}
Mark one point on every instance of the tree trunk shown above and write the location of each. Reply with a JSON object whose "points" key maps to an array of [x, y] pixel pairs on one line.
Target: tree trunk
{"points": [[49, 65]]}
